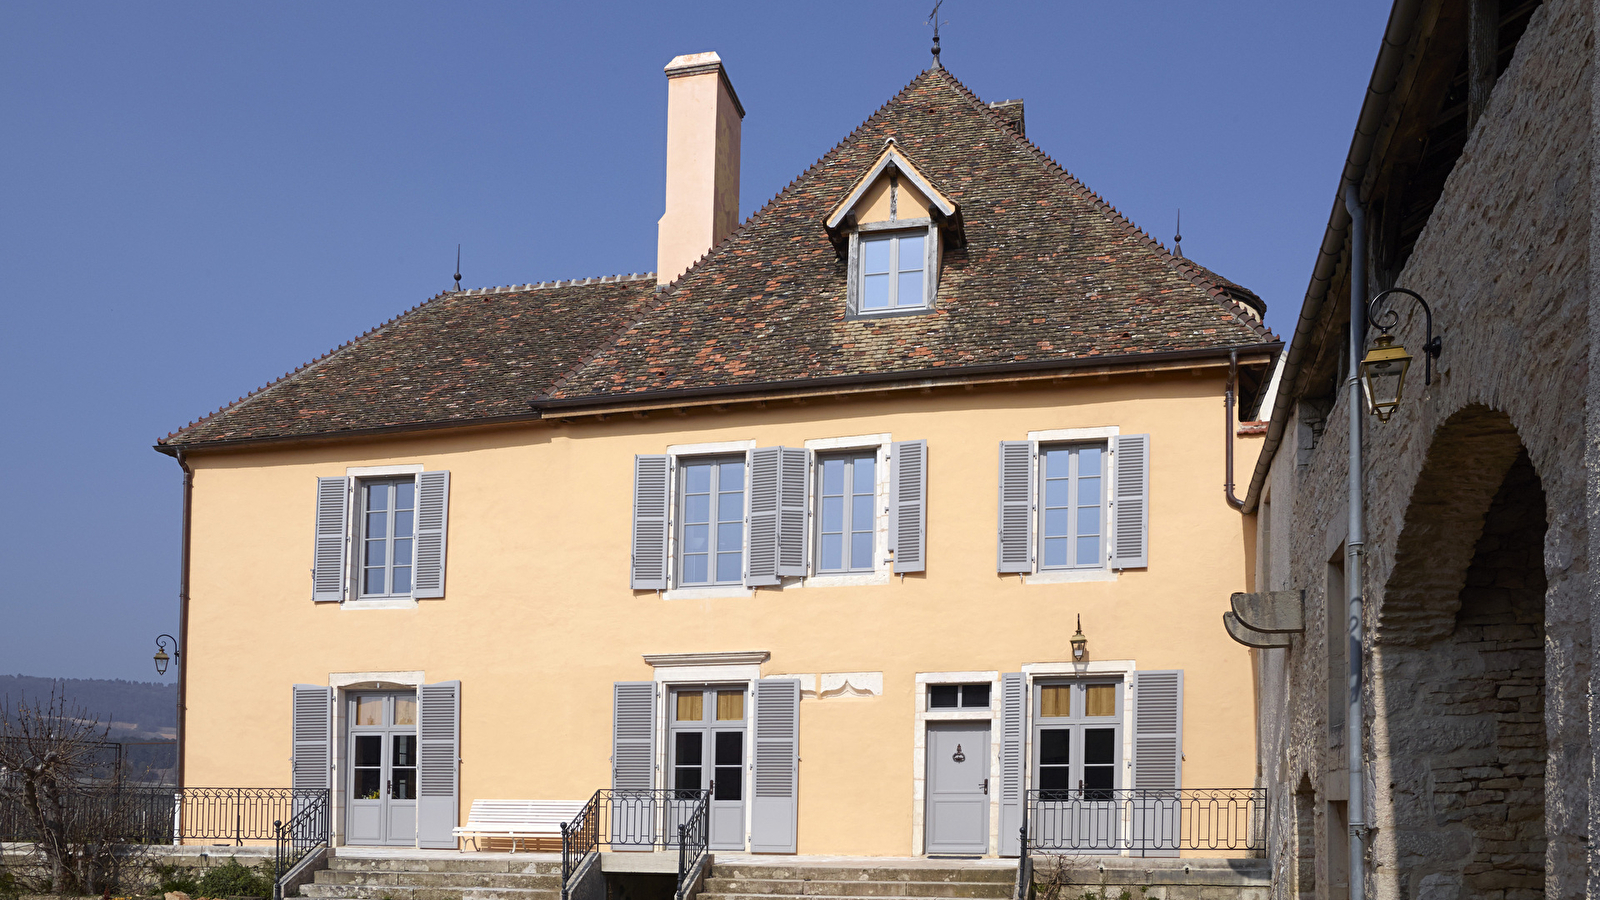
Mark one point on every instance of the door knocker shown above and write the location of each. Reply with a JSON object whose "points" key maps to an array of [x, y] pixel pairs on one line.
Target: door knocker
{"points": [[958, 756]]}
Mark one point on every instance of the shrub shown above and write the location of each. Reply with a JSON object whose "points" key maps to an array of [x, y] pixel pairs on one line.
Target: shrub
{"points": [[234, 880], [175, 878]]}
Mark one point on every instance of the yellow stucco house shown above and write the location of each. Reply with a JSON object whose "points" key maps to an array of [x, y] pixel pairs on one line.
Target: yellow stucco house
{"points": [[813, 514]]}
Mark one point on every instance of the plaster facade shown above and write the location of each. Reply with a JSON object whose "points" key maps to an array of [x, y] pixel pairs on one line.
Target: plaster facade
{"points": [[538, 619]]}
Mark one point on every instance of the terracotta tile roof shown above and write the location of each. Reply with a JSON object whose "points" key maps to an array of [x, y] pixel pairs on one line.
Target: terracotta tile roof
{"points": [[459, 357], [1050, 273]]}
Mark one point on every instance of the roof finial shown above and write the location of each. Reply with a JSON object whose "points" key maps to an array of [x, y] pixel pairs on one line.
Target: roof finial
{"points": [[458, 267], [933, 19], [1177, 237]]}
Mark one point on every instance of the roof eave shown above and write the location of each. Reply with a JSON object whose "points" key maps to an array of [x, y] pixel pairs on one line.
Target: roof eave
{"points": [[916, 379]]}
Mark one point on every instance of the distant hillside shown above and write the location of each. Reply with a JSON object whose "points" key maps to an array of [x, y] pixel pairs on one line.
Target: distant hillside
{"points": [[133, 709]]}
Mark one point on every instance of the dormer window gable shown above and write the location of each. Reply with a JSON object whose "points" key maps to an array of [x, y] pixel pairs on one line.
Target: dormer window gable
{"points": [[893, 225]]}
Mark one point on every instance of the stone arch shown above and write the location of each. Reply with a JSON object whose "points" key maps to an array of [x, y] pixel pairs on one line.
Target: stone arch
{"points": [[1466, 463], [1461, 657]]}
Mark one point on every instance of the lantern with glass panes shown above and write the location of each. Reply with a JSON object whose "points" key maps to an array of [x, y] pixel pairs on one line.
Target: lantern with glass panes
{"points": [[1383, 370]]}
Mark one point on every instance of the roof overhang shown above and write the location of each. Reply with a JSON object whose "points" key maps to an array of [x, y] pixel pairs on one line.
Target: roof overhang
{"points": [[891, 157]]}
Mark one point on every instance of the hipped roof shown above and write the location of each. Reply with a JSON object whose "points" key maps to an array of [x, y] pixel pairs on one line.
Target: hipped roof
{"points": [[1049, 275]]}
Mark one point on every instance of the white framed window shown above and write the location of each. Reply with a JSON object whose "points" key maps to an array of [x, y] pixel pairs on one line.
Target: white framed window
{"points": [[846, 511], [1072, 506], [711, 520], [894, 271], [387, 536], [380, 537]]}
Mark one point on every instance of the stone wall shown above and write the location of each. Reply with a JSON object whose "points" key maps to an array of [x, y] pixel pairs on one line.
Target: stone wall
{"points": [[1505, 261]]}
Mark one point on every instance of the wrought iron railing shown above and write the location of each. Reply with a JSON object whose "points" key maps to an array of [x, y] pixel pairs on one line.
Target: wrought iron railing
{"points": [[130, 815], [635, 820], [148, 815], [306, 831], [1145, 822], [693, 840]]}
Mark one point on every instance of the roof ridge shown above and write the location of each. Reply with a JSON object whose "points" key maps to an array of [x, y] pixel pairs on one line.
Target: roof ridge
{"points": [[665, 292], [1213, 290], [306, 366], [547, 285]]}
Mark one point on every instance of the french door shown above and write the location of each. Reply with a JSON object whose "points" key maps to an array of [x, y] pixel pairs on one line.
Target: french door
{"points": [[707, 737], [1077, 765], [382, 778]]}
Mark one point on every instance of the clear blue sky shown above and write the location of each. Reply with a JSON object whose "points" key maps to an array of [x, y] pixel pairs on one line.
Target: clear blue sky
{"points": [[195, 198]]}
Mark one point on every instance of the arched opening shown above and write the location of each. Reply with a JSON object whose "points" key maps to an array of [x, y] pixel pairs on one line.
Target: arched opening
{"points": [[1462, 663]]}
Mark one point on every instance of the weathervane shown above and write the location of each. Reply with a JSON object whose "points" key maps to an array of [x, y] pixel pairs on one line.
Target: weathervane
{"points": [[933, 19], [458, 267], [1177, 236]]}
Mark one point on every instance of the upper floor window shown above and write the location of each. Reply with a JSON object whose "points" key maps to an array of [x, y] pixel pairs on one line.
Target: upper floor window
{"points": [[388, 510], [846, 514], [711, 510], [1072, 506], [894, 271]]}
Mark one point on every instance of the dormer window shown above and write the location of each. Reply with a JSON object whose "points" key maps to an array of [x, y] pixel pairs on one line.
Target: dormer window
{"points": [[894, 269], [893, 225]]}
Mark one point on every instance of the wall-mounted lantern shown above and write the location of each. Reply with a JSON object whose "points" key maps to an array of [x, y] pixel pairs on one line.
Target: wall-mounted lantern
{"points": [[1080, 644], [1383, 370], [161, 656]]}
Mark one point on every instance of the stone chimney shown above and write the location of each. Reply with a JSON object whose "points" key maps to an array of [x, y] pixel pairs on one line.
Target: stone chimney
{"points": [[703, 122]]}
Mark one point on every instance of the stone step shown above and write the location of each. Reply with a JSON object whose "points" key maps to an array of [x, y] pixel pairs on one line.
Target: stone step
{"points": [[537, 881], [511, 863], [987, 890], [966, 874], [409, 892]]}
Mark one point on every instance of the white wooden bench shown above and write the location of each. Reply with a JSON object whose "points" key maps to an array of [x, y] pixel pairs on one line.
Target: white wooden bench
{"points": [[517, 819]]}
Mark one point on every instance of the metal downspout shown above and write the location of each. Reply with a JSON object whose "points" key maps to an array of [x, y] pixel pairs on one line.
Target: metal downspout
{"points": [[1354, 545], [183, 609], [1227, 402]]}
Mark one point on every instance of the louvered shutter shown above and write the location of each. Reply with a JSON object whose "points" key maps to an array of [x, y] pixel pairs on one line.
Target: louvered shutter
{"points": [[1013, 732], [633, 763], [433, 513], [775, 806], [1016, 506], [438, 764], [328, 552], [1130, 505], [794, 503], [651, 481], [311, 732], [633, 728], [766, 483], [908, 505], [1157, 762]]}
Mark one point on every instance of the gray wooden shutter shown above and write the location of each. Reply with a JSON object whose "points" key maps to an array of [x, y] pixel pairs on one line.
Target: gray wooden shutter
{"points": [[794, 503], [1130, 505], [1013, 732], [1157, 762], [332, 528], [908, 505], [651, 481], [438, 764], [311, 735], [633, 729], [433, 513], [775, 807], [1016, 506], [761, 515]]}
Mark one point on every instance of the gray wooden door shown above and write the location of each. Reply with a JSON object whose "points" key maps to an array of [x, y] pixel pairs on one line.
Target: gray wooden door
{"points": [[707, 748], [382, 779], [957, 788]]}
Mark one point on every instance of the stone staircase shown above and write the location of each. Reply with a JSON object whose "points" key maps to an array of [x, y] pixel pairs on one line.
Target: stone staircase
{"points": [[457, 877], [736, 879]]}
